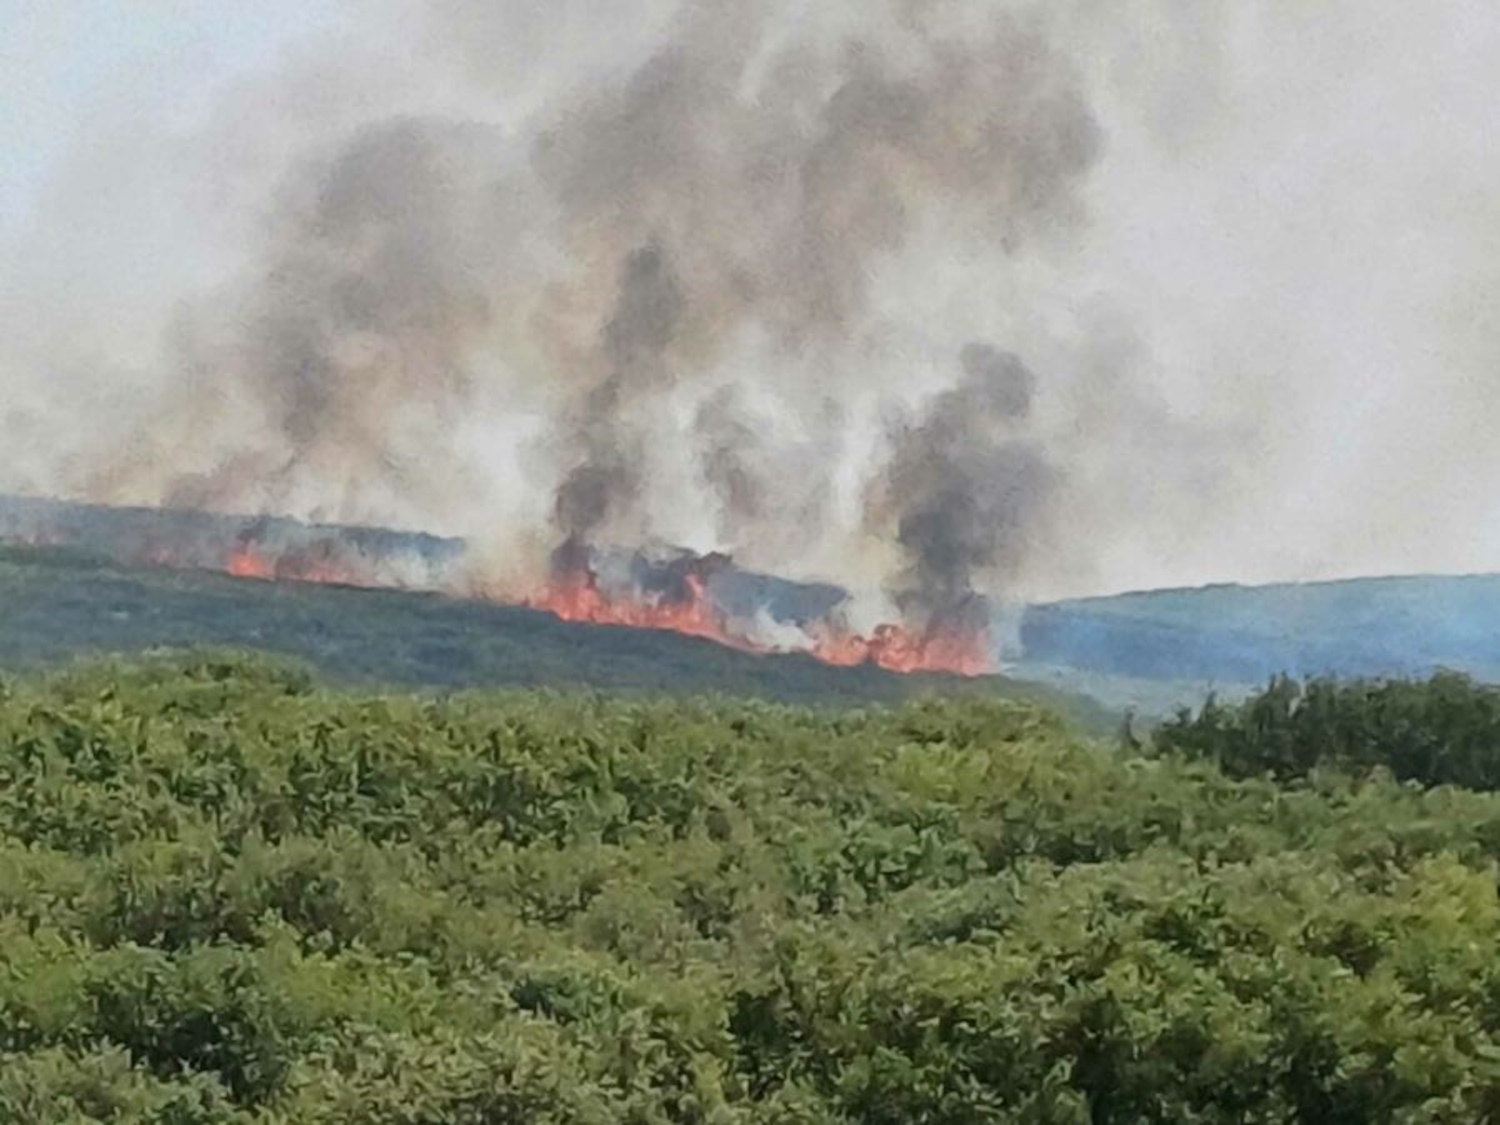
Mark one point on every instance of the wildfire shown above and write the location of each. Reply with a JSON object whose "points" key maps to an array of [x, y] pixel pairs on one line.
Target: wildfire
{"points": [[687, 608], [673, 594], [577, 597], [321, 566], [243, 562], [898, 649]]}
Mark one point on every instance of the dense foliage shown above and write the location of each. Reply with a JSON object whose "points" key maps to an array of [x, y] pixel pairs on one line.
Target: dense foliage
{"points": [[229, 896], [1444, 730]]}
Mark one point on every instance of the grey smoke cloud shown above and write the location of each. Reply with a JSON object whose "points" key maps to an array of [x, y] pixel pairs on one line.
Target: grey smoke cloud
{"points": [[343, 357], [633, 362], [488, 267], [966, 492], [732, 457], [741, 181]]}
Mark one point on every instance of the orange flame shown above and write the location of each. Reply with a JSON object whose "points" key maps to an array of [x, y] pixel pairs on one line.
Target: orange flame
{"points": [[245, 562], [898, 649], [578, 598]]}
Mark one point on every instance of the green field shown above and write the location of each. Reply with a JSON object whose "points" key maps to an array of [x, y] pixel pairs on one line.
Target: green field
{"points": [[229, 895]]}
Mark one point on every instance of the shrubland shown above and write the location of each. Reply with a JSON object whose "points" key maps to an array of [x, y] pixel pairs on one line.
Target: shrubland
{"points": [[1443, 730], [228, 894]]}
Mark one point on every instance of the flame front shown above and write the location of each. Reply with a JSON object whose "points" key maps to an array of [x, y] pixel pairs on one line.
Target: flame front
{"points": [[899, 649], [243, 562], [575, 595], [671, 596]]}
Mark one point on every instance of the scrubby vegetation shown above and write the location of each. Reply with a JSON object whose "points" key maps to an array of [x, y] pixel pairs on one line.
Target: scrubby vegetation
{"points": [[227, 895], [1444, 730]]}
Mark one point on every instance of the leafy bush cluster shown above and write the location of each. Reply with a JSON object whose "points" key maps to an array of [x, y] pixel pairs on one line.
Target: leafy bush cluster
{"points": [[1440, 731], [229, 896]]}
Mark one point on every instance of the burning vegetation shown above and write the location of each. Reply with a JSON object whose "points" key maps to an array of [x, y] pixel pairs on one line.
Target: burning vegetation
{"points": [[272, 549], [679, 594], [674, 596], [696, 595], [691, 253]]}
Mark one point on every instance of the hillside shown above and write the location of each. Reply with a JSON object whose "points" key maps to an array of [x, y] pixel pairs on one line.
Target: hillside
{"points": [[1160, 647], [227, 896], [1153, 650], [58, 605]]}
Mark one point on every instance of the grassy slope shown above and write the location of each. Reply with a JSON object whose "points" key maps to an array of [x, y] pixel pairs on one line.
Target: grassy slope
{"points": [[56, 605]]}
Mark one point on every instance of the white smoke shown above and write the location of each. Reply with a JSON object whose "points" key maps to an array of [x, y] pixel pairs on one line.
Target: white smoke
{"points": [[1257, 315]]}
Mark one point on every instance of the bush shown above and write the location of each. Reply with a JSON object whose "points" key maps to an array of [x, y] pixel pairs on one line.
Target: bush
{"points": [[229, 896], [1441, 731]]}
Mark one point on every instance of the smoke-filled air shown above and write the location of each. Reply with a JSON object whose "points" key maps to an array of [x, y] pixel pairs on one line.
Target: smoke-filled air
{"points": [[946, 306]]}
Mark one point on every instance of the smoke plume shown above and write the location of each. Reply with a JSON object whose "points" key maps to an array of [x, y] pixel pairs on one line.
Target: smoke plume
{"points": [[737, 183], [337, 368], [965, 493], [559, 277], [733, 460]]}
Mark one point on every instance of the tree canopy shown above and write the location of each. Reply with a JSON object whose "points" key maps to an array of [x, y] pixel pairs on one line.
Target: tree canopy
{"points": [[229, 895]]}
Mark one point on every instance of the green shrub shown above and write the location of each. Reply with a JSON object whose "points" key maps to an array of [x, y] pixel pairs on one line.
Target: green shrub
{"points": [[1444, 730], [229, 896]]}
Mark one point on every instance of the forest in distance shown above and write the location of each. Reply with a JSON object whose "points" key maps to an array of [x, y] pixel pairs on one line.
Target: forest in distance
{"points": [[230, 894]]}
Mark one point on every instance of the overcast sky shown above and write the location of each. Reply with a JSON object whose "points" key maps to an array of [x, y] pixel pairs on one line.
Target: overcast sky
{"points": [[65, 62]]}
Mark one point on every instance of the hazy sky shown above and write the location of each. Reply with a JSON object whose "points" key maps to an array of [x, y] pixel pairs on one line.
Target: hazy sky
{"points": [[62, 64], [1252, 265]]}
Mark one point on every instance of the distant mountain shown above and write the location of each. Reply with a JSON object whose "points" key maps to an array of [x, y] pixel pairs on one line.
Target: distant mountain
{"points": [[1152, 646]]}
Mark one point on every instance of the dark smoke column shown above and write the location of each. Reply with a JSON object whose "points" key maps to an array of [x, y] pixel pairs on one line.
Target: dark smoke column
{"points": [[964, 494], [747, 181], [634, 344]]}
